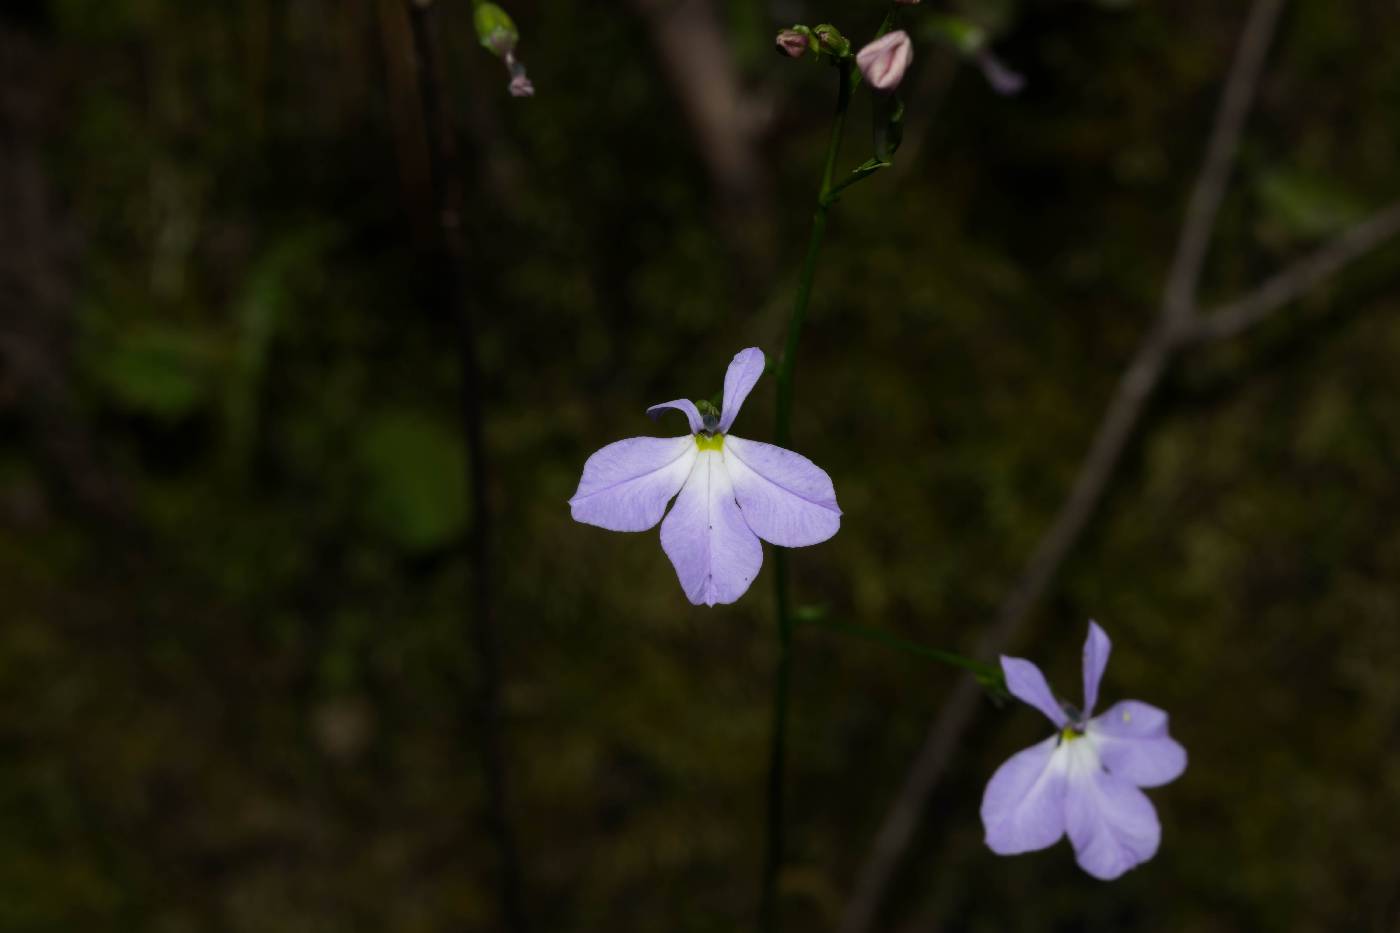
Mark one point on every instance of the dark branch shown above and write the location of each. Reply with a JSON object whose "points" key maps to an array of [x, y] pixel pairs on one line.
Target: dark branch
{"points": [[1297, 280], [1184, 280]]}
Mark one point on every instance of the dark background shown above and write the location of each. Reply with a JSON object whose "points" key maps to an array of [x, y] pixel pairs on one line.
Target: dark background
{"points": [[236, 687]]}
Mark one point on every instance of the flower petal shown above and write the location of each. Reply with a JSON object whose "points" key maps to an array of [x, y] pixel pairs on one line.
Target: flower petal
{"points": [[1023, 808], [1133, 744], [1096, 649], [1112, 825], [1027, 684], [626, 485], [715, 554], [739, 381], [786, 498], [684, 405]]}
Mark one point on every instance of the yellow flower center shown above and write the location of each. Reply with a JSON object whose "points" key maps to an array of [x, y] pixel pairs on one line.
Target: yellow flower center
{"points": [[712, 442], [1069, 734]]}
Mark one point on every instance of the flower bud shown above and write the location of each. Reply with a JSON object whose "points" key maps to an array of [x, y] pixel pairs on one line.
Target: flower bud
{"points": [[792, 43], [495, 29], [831, 42], [884, 61]]}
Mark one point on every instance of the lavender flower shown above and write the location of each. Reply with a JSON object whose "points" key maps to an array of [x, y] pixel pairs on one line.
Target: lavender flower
{"points": [[1084, 780], [732, 492]]}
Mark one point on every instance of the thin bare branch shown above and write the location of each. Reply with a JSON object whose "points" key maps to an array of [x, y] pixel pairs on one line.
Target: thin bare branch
{"points": [[694, 49], [1298, 279], [456, 301], [1184, 279]]}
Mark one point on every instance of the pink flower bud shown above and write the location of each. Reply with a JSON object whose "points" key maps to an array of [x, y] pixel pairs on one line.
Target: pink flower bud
{"points": [[520, 85], [884, 61], [792, 43]]}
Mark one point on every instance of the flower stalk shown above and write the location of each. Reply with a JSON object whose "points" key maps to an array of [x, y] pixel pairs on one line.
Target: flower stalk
{"points": [[782, 676]]}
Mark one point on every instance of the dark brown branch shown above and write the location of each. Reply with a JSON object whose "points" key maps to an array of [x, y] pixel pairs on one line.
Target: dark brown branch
{"points": [[450, 260], [693, 48], [1184, 280], [1238, 316]]}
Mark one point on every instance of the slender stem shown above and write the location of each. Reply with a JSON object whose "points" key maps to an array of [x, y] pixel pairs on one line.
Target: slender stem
{"points": [[987, 675], [773, 858], [450, 260]]}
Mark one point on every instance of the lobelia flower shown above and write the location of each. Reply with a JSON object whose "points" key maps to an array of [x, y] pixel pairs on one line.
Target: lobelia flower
{"points": [[1083, 780], [884, 61], [732, 493]]}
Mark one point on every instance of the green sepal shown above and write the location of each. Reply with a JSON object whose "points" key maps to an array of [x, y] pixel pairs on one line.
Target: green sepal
{"points": [[888, 115]]}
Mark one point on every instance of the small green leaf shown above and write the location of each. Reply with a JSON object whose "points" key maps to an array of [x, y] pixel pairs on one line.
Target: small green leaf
{"points": [[888, 115], [163, 373], [415, 467], [1307, 205]]}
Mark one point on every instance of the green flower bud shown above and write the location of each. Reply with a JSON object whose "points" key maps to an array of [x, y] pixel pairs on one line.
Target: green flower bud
{"points": [[495, 29], [831, 42]]}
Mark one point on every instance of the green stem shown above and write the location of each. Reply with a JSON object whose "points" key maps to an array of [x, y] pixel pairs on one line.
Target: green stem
{"points": [[988, 676], [773, 858]]}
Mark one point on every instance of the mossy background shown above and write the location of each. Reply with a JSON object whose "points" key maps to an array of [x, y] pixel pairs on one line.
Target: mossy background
{"points": [[235, 681]]}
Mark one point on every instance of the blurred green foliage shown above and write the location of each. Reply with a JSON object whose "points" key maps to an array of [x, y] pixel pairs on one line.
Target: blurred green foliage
{"points": [[235, 688]]}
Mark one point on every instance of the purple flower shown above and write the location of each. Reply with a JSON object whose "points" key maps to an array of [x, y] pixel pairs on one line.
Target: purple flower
{"points": [[1083, 780], [732, 492]]}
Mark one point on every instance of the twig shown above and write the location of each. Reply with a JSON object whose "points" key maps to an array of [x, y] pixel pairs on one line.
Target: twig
{"points": [[693, 49], [1184, 280], [452, 258], [1297, 280], [1135, 387]]}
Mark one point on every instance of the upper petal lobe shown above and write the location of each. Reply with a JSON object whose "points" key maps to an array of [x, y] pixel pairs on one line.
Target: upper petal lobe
{"points": [[626, 485], [786, 498], [739, 381], [714, 552], [1096, 649], [683, 405], [1023, 808], [1027, 684]]}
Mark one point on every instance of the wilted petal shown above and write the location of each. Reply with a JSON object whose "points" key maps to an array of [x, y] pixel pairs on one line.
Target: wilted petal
{"points": [[715, 554], [1096, 650], [884, 61], [683, 405], [1023, 808], [739, 381], [1132, 742], [1002, 79], [626, 485], [1027, 684], [786, 498], [1111, 823]]}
